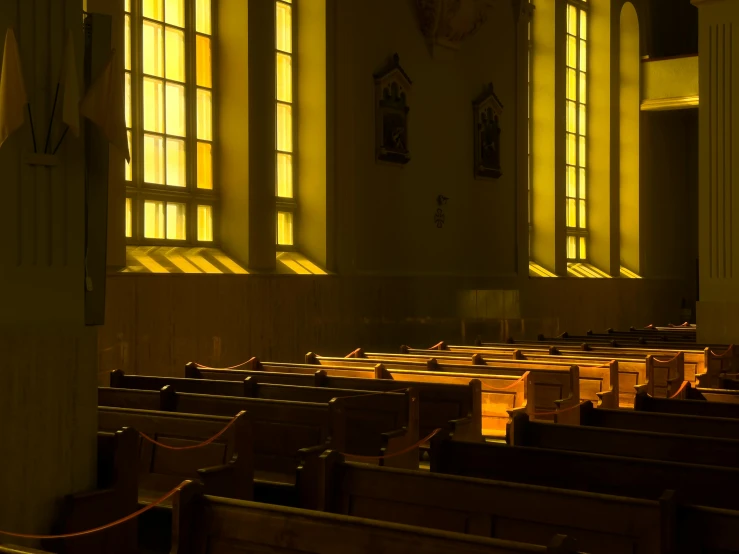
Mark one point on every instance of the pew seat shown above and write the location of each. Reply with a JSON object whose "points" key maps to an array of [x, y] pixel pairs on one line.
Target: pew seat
{"points": [[210, 525]]}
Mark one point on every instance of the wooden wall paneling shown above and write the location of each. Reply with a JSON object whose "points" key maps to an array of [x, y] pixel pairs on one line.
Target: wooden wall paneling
{"points": [[154, 325]]}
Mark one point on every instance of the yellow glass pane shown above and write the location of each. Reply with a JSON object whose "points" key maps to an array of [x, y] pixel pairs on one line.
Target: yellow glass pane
{"points": [[571, 149], [583, 88], [571, 181], [582, 127], [153, 105], [153, 219], [153, 49], [572, 248], [583, 248], [154, 159], [127, 43], [284, 127], [205, 166], [128, 100], [571, 117], [202, 16], [582, 184], [284, 27], [174, 12], [129, 218], [284, 78], [203, 63], [205, 223], [176, 119], [583, 24], [176, 165], [571, 212], [205, 114], [582, 158], [581, 214], [154, 9], [583, 55], [572, 20], [571, 51], [571, 84], [176, 221], [285, 228], [175, 54], [129, 169], [127, 5], [284, 175]]}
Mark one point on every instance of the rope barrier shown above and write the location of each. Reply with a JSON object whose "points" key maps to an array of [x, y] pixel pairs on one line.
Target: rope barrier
{"points": [[237, 366], [516, 382], [663, 361], [394, 454], [102, 527], [682, 387], [193, 447], [374, 393], [561, 411]]}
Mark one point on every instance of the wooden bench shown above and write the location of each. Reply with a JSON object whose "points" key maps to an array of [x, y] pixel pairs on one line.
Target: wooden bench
{"points": [[115, 497], [211, 525], [552, 390], [599, 379], [725, 428], [665, 376], [226, 466], [719, 366], [285, 432], [450, 406], [618, 475], [600, 523], [695, 360], [688, 449], [688, 406]]}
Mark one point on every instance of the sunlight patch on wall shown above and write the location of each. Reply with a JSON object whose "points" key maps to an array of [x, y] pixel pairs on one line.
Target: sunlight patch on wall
{"points": [[586, 271], [179, 259], [294, 263], [535, 270], [628, 274]]}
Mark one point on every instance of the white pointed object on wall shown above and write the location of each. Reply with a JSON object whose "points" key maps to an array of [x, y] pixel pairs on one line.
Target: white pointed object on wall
{"points": [[13, 97], [69, 81], [103, 105]]}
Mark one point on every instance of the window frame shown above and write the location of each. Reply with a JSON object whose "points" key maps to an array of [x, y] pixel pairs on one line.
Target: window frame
{"points": [[581, 234], [138, 190], [285, 204]]}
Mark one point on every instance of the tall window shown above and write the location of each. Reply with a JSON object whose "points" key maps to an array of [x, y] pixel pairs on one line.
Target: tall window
{"points": [[576, 123], [285, 185], [170, 193], [528, 133]]}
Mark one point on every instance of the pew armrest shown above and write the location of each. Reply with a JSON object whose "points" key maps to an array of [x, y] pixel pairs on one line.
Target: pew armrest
{"points": [[395, 441], [464, 429], [224, 480], [607, 399], [310, 478], [703, 380]]}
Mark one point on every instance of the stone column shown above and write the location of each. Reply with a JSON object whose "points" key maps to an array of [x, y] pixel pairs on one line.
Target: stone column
{"points": [[48, 400], [718, 307]]}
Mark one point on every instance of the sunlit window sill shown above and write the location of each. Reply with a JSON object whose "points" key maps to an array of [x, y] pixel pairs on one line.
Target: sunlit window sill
{"points": [[174, 260]]}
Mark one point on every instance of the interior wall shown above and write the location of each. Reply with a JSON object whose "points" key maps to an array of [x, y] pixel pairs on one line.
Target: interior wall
{"points": [[391, 208]]}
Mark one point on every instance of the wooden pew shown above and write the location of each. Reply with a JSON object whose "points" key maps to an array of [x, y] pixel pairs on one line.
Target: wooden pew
{"points": [[717, 427], [366, 424], [719, 366], [11, 549], [702, 529], [211, 525], [115, 497], [695, 359], [599, 379], [687, 449], [713, 486], [499, 392], [449, 406], [690, 406], [600, 523], [712, 395], [665, 376], [225, 466], [553, 389]]}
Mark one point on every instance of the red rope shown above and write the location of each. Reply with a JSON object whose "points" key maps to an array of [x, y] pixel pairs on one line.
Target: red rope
{"points": [[204, 443], [102, 527], [237, 366], [516, 382], [682, 387], [399, 453]]}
